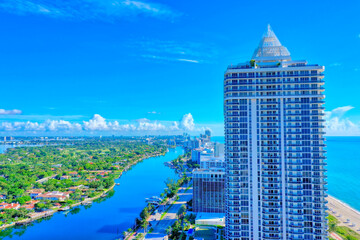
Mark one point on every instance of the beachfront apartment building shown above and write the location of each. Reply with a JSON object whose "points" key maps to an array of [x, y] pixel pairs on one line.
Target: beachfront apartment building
{"points": [[274, 146]]}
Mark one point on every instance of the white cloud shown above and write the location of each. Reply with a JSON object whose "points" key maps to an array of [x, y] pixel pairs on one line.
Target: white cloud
{"points": [[99, 124], [10, 112], [188, 60], [153, 112], [153, 9], [171, 59], [187, 122], [336, 64], [175, 51], [142, 120], [48, 125], [340, 111], [337, 125], [104, 10]]}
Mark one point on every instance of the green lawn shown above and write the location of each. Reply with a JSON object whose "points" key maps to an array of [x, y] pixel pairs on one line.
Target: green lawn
{"points": [[342, 231]]}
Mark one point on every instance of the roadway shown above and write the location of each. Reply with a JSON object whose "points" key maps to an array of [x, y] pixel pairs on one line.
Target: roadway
{"points": [[170, 217]]}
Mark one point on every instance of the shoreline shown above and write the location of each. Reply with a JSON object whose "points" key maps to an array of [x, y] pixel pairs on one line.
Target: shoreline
{"points": [[53, 211], [344, 212]]}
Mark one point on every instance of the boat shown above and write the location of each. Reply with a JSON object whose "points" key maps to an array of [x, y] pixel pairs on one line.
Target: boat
{"points": [[64, 208], [87, 203], [117, 184]]}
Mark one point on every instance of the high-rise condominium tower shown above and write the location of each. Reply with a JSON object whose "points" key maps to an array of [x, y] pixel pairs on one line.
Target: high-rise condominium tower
{"points": [[274, 135]]}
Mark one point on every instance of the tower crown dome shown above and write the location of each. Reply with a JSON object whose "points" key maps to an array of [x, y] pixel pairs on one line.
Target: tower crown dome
{"points": [[270, 48]]}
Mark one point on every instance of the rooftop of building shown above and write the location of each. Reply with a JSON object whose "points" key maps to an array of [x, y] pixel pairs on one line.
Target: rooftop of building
{"points": [[270, 53], [210, 219], [270, 48], [209, 171]]}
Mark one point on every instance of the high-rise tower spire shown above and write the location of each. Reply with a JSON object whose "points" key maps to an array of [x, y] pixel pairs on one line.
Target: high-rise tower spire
{"points": [[275, 178], [270, 48]]}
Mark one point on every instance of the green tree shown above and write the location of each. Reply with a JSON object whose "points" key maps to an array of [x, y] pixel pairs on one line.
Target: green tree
{"points": [[144, 225], [181, 211], [23, 199]]}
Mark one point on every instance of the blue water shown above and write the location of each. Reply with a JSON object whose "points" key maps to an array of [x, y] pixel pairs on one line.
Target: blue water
{"points": [[343, 159], [108, 219]]}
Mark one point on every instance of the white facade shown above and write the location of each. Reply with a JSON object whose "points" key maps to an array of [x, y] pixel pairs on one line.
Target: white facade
{"points": [[218, 149], [207, 162], [274, 147]]}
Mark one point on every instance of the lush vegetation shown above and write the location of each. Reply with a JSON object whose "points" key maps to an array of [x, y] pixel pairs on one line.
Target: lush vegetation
{"points": [[184, 223], [89, 165], [342, 231], [173, 187], [181, 162]]}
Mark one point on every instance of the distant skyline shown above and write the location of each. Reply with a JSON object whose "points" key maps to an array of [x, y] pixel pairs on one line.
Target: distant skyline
{"points": [[126, 67]]}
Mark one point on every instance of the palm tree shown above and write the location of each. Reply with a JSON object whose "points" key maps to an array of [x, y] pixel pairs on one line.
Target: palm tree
{"points": [[332, 226], [144, 225]]}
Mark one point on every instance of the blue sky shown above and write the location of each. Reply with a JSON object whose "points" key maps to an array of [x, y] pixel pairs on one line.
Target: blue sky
{"points": [[155, 66]]}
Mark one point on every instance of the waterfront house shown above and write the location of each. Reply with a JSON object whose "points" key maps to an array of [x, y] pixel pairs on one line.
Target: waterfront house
{"points": [[73, 189], [9, 205], [30, 205], [55, 196], [117, 166], [73, 173], [34, 192], [103, 173], [90, 179]]}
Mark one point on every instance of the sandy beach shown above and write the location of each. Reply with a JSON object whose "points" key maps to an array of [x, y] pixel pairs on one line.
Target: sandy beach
{"points": [[344, 213]]}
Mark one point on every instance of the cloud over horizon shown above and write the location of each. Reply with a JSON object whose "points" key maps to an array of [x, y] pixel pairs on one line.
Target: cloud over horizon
{"points": [[99, 124], [337, 125]]}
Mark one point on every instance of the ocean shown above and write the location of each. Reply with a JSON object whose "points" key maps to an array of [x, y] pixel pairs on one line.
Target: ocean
{"points": [[343, 165]]}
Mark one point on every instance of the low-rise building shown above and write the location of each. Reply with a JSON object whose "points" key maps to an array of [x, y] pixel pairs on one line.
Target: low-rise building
{"points": [[55, 195], [30, 205], [210, 219], [91, 179], [73, 189], [103, 173], [35, 192], [9, 205], [64, 177]]}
